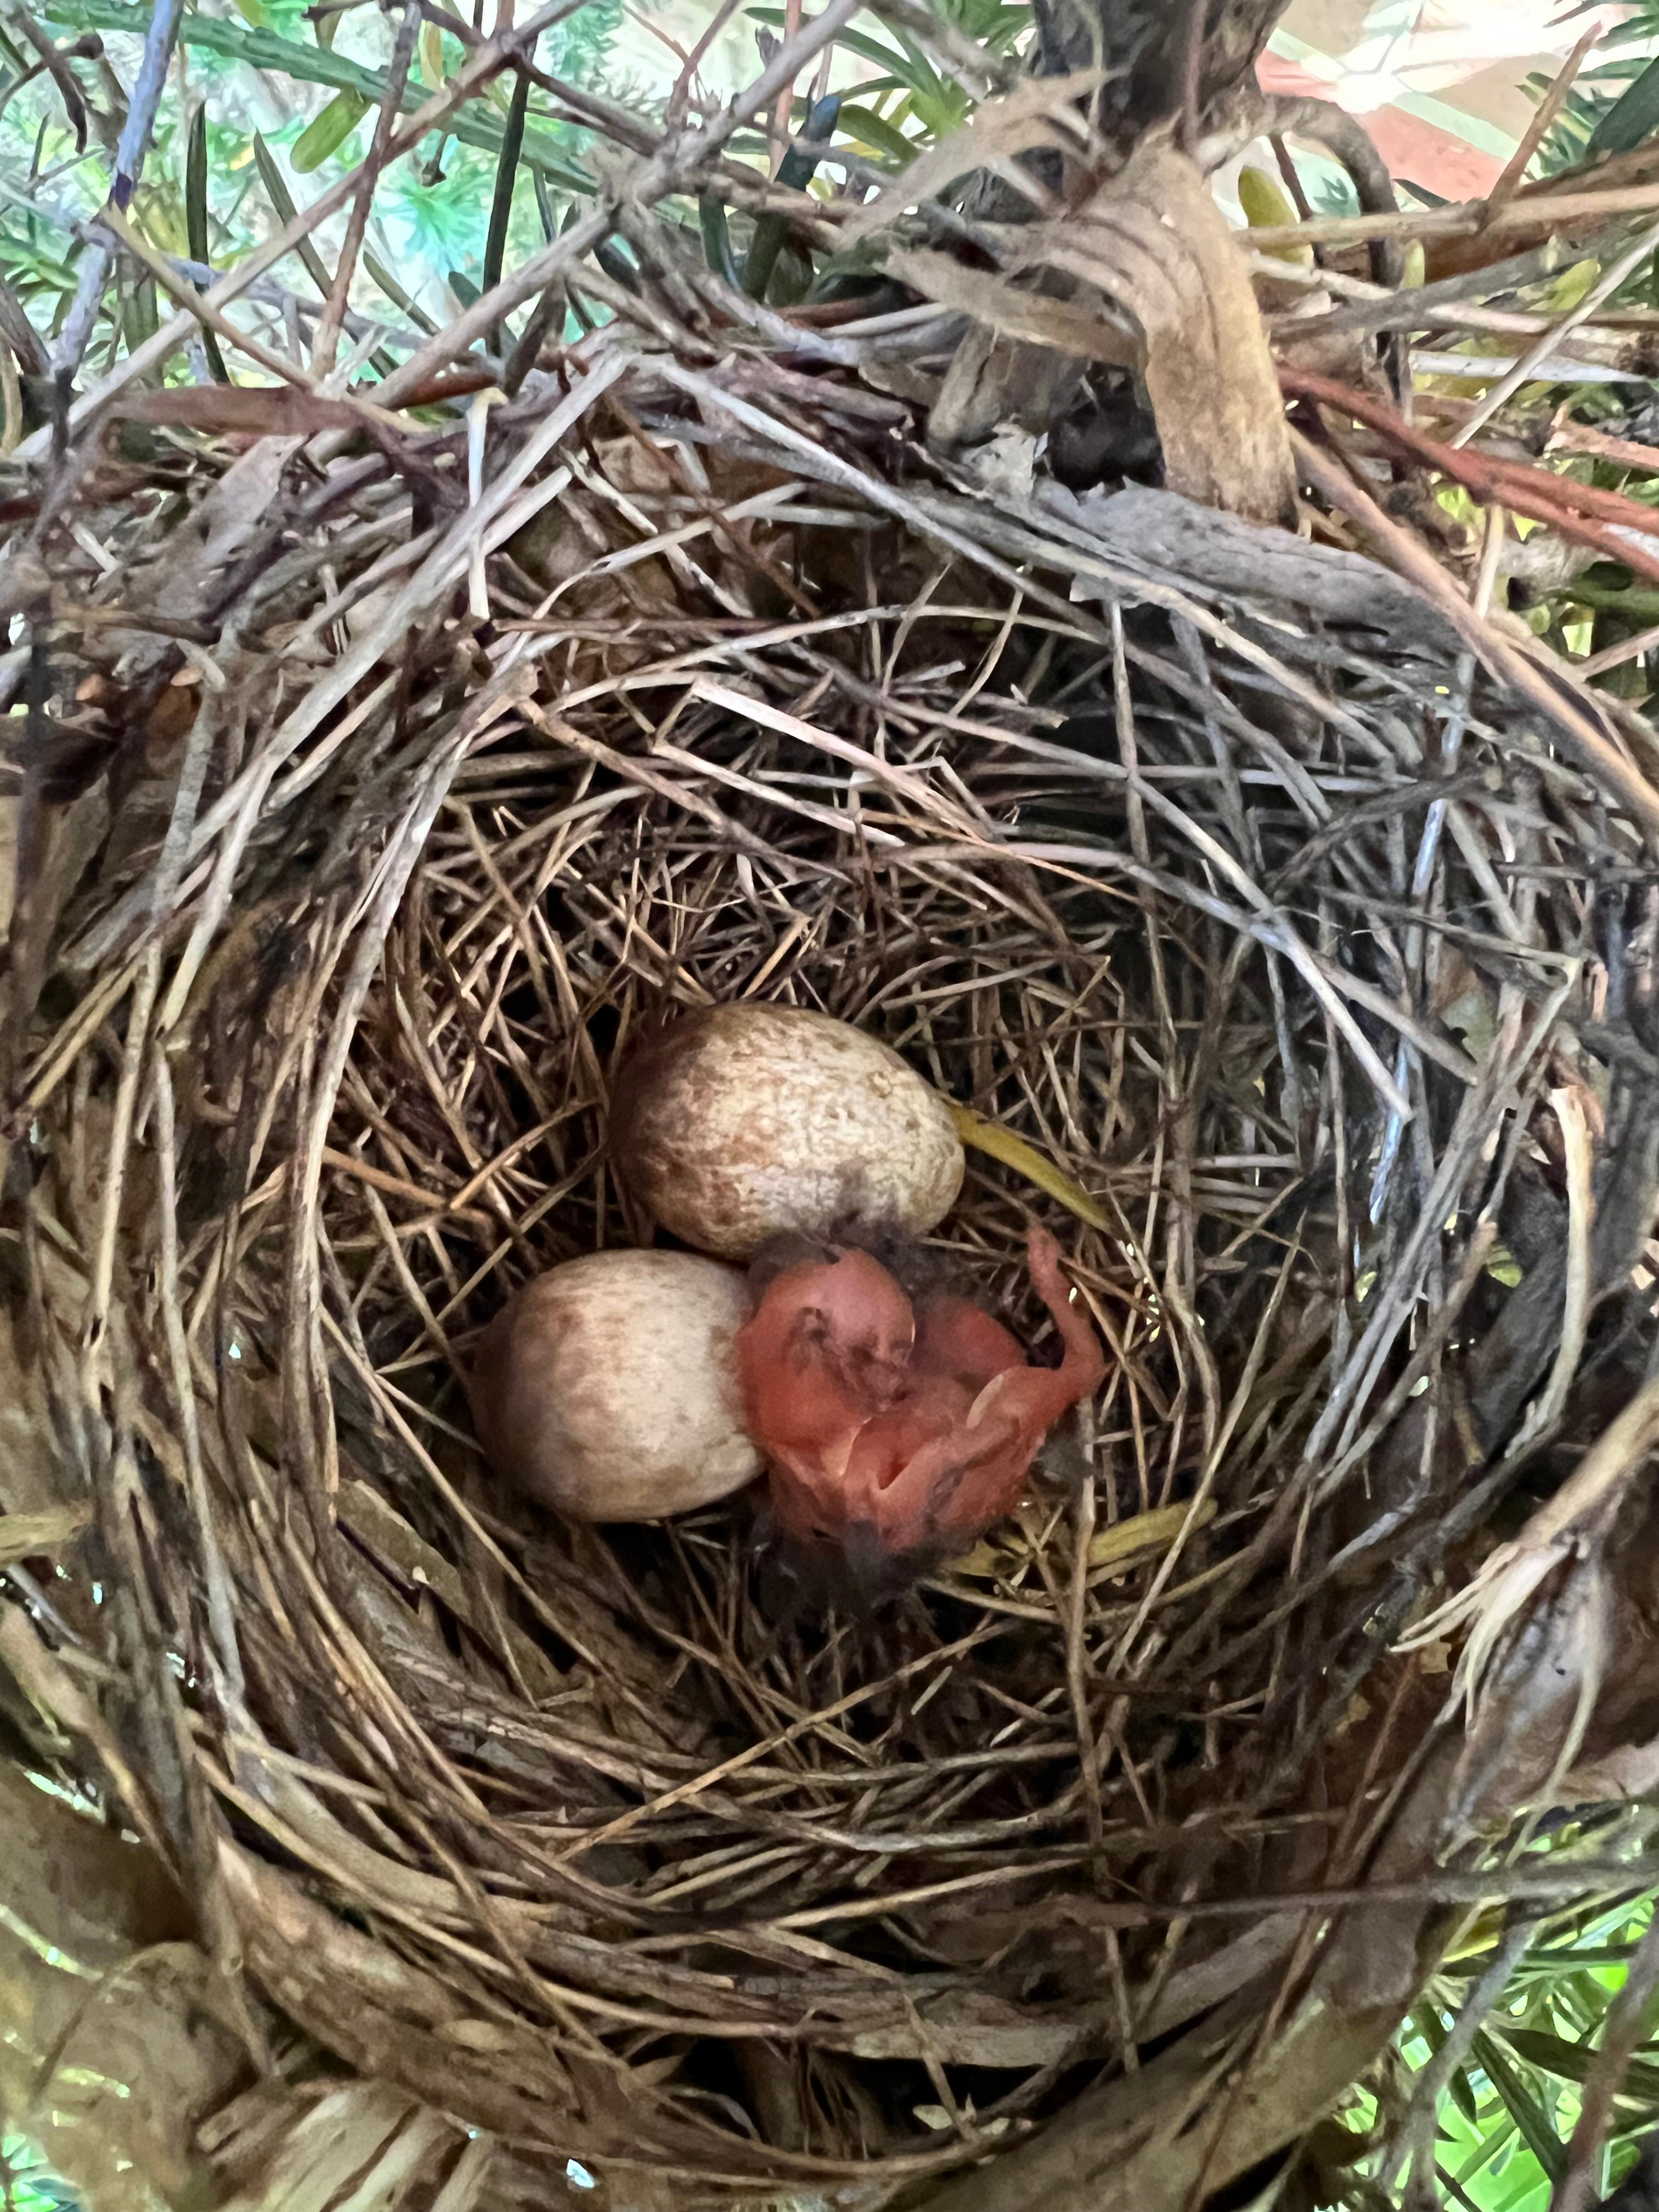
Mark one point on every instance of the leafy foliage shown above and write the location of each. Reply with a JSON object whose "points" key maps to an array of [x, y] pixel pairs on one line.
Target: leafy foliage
{"points": [[28, 2184], [1506, 2113], [1614, 103], [286, 93]]}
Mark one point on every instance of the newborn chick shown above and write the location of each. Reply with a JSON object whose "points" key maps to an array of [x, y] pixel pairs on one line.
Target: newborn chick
{"points": [[894, 1433]]}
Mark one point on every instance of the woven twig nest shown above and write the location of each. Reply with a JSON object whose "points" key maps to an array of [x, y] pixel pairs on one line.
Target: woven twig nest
{"points": [[1251, 906]]}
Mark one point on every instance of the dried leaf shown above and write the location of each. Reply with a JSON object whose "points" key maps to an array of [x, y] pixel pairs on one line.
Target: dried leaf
{"points": [[366, 2134], [1574, 1523], [1154, 240], [1015, 1152], [386, 2018], [32, 1474], [31, 1536], [993, 380], [1013, 312], [245, 410], [1630, 1771], [1535, 1702], [8, 859], [968, 2029], [1108, 1550], [1033, 114]]}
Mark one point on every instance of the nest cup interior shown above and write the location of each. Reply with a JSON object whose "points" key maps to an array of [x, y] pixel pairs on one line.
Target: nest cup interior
{"points": [[566, 1829]]}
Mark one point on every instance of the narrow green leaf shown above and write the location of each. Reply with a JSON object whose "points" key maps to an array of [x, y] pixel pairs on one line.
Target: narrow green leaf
{"points": [[797, 167], [142, 318], [463, 287], [1522, 2106], [791, 280], [1633, 116], [579, 315], [1462, 2094], [501, 206], [716, 239], [930, 84], [1571, 2062], [548, 310], [1426, 2020], [395, 292], [616, 265], [898, 65], [276, 190], [263, 50], [795, 170], [1487, 2148], [544, 207], [195, 221], [875, 133]]}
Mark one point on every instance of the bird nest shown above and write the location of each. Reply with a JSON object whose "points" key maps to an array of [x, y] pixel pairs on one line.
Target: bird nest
{"points": [[1203, 860]]}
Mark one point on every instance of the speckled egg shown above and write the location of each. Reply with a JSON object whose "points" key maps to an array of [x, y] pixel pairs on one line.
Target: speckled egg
{"points": [[739, 1123], [608, 1387]]}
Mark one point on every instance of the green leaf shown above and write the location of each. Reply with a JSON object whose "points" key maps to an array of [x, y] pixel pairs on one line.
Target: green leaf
{"points": [[196, 220], [327, 133], [395, 292], [795, 170], [907, 70], [716, 239], [1522, 2106], [797, 167], [791, 279], [501, 206], [1571, 2062], [142, 319], [463, 287], [1633, 116], [616, 265], [874, 132], [473, 125], [276, 190]]}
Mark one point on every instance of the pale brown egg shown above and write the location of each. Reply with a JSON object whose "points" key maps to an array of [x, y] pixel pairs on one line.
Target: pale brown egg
{"points": [[608, 1388], [744, 1122]]}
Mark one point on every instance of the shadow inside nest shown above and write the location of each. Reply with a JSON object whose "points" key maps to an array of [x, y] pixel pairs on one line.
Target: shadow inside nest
{"points": [[613, 1841]]}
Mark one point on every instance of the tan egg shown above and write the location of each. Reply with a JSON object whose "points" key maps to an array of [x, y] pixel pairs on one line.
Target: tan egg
{"points": [[742, 1123], [608, 1388]]}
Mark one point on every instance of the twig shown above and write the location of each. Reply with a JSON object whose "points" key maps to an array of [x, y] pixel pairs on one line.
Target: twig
{"points": [[54, 61], [1584, 512], [1615, 656], [1398, 310], [1414, 2146], [1548, 108], [115, 225], [1346, 137], [78, 323], [1549, 695], [327, 339], [1625, 266]]}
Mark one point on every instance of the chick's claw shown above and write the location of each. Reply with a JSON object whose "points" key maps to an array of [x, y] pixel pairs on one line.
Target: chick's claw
{"points": [[909, 1430]]}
